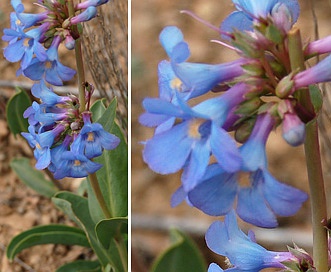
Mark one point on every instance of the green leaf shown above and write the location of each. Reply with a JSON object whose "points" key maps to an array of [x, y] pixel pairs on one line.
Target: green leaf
{"points": [[112, 234], [80, 266], [98, 109], [76, 207], [112, 228], [183, 255], [32, 177], [316, 97], [50, 234], [16, 106], [113, 176]]}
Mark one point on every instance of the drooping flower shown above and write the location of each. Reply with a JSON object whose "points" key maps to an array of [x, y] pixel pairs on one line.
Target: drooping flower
{"points": [[52, 70], [316, 74], [226, 239], [93, 139], [191, 79], [42, 143], [258, 202], [86, 15], [251, 11], [191, 142]]}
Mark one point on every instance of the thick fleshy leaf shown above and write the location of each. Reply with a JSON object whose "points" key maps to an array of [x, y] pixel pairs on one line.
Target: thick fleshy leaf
{"points": [[32, 178], [183, 255], [15, 108], [215, 195], [80, 266], [167, 152], [76, 207], [113, 176], [49, 234]]}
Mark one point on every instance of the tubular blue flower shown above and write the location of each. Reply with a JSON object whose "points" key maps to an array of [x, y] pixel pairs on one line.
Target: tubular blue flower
{"points": [[57, 152], [42, 143], [23, 46], [86, 15], [93, 139], [90, 3], [250, 11], [192, 79], [46, 95], [51, 69], [318, 73], [75, 165], [191, 142], [46, 115], [320, 46], [31, 19], [257, 203], [253, 150], [226, 239], [17, 5]]}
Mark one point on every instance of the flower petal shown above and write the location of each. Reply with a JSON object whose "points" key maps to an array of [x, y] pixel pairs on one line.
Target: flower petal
{"points": [[167, 152]]}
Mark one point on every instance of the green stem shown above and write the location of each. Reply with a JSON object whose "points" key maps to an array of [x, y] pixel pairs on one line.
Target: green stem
{"points": [[313, 161], [79, 61], [122, 250], [97, 191]]}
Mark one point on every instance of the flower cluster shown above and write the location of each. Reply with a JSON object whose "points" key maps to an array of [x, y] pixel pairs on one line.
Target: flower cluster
{"points": [[33, 39], [252, 96], [62, 135]]}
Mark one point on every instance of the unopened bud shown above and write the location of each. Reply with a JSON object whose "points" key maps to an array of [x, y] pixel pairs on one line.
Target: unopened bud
{"points": [[249, 106], [285, 87], [294, 129]]}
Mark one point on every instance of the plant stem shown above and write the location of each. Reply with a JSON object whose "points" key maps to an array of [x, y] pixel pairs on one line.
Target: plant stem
{"points": [[79, 62], [313, 161], [97, 191]]}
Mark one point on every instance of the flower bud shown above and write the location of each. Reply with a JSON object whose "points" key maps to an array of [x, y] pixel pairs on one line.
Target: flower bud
{"points": [[244, 131], [285, 87], [293, 129]]}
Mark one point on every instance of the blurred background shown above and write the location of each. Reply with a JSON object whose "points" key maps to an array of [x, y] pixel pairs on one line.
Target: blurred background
{"points": [[152, 216], [105, 49]]}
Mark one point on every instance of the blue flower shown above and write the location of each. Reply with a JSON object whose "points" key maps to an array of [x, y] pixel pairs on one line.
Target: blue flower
{"points": [[93, 139], [46, 95], [191, 79], [75, 164], [226, 239], [90, 3], [51, 69], [251, 10], [42, 143], [86, 15], [23, 46], [261, 199], [191, 142]]}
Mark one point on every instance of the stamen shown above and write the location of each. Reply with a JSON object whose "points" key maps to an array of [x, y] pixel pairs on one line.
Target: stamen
{"points": [[38, 146], [176, 83], [77, 163], [194, 126], [226, 45], [90, 137]]}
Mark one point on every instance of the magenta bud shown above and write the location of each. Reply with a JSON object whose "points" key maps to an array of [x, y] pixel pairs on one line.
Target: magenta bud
{"points": [[69, 42], [294, 130]]}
